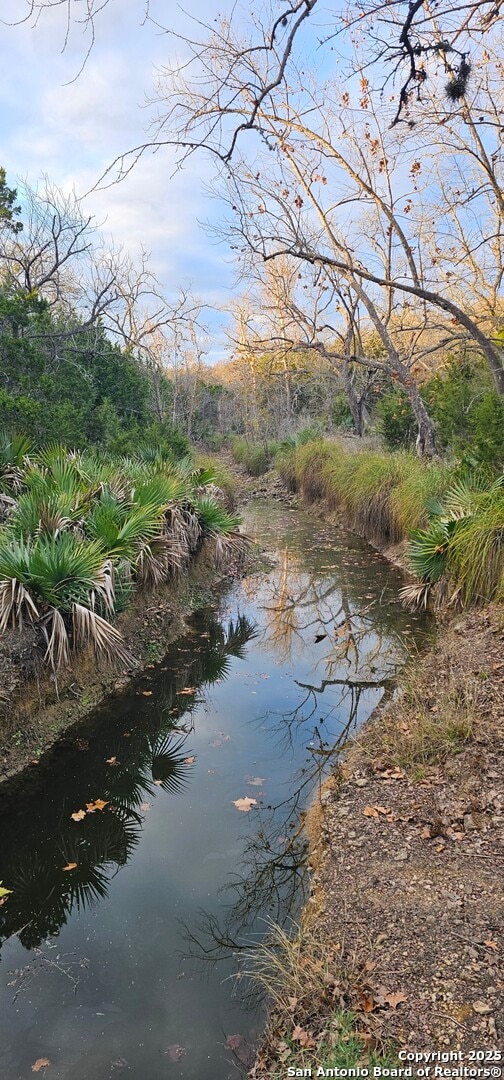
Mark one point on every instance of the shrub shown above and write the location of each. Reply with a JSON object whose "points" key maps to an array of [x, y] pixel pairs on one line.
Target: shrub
{"points": [[396, 421]]}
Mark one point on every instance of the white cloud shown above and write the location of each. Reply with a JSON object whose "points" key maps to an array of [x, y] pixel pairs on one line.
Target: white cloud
{"points": [[73, 132]]}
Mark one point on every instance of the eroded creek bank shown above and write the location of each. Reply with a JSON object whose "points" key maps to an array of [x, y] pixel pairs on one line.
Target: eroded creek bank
{"points": [[159, 833]]}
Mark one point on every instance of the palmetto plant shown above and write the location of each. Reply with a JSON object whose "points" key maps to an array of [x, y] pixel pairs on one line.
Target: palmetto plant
{"points": [[463, 545], [56, 582], [82, 530]]}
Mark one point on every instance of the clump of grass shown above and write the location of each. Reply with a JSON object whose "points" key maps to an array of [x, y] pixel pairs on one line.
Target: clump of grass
{"points": [[310, 1021], [427, 726], [419, 484], [256, 458]]}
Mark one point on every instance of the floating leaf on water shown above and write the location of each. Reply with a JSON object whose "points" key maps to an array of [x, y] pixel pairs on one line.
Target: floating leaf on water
{"points": [[190, 760], [98, 804], [233, 1042], [70, 866], [79, 815], [146, 693], [175, 1051], [255, 781], [112, 761], [245, 804], [145, 807], [40, 1063], [4, 892]]}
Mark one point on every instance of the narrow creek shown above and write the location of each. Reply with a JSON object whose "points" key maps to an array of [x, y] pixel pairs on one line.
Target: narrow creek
{"points": [[135, 877]]}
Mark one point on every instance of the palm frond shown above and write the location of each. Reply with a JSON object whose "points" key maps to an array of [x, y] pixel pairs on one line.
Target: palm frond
{"points": [[91, 629]]}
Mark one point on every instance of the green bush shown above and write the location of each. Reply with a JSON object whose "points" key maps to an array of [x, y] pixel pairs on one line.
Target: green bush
{"points": [[396, 421]]}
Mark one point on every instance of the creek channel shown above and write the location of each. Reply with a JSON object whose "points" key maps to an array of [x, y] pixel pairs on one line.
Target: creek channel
{"points": [[154, 842]]}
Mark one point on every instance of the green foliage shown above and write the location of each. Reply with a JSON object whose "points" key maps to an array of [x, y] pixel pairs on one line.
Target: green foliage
{"points": [[341, 412], [396, 421], [81, 530], [384, 494], [255, 458], [463, 545], [8, 209]]}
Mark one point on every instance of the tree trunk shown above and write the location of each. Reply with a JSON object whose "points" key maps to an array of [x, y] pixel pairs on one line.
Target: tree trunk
{"points": [[426, 438], [356, 404]]}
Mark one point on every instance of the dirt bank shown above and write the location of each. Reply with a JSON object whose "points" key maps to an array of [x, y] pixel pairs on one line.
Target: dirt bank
{"points": [[35, 709], [408, 857]]}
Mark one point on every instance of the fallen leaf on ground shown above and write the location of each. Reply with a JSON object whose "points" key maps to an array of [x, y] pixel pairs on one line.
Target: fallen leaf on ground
{"points": [[394, 999], [303, 1038], [244, 804], [78, 816], [489, 944], [370, 811], [40, 1063], [70, 866]]}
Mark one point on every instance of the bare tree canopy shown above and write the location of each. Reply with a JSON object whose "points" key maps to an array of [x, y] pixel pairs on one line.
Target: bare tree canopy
{"points": [[408, 41]]}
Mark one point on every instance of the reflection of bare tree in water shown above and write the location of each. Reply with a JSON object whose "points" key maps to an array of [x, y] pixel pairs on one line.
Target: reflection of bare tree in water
{"points": [[271, 881], [302, 609], [297, 603]]}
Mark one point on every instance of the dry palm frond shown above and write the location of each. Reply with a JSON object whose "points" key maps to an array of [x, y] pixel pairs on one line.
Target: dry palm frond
{"points": [[58, 646], [105, 586], [90, 629], [416, 595], [235, 546], [158, 559], [16, 605]]}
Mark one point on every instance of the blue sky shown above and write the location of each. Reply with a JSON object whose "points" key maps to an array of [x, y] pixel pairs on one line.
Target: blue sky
{"points": [[72, 132]]}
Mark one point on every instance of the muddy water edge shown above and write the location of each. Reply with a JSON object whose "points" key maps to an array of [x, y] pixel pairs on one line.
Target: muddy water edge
{"points": [[155, 840]]}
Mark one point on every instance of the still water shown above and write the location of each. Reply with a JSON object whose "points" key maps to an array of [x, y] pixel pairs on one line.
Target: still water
{"points": [[122, 936]]}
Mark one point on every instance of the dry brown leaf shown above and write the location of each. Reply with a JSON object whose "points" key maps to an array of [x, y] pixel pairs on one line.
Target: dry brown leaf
{"points": [[366, 1003], [146, 693], [255, 781], [78, 816], [370, 811], [245, 804], [383, 809], [490, 944], [40, 1063], [303, 1038], [112, 761], [190, 760], [70, 866], [98, 804], [394, 999]]}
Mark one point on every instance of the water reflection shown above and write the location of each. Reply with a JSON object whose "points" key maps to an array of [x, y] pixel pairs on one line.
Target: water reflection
{"points": [[125, 850], [63, 852]]}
